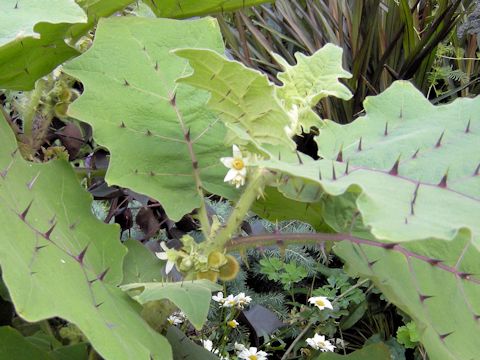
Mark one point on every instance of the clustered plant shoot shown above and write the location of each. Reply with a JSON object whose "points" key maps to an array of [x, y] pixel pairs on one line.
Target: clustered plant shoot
{"points": [[239, 179]]}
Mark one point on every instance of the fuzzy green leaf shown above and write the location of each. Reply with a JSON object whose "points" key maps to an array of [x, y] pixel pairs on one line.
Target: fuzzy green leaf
{"points": [[129, 80], [311, 79], [59, 260], [192, 297], [432, 219], [189, 8], [243, 98]]}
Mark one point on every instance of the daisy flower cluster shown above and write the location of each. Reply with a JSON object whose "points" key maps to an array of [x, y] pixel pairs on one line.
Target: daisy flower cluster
{"points": [[319, 342], [239, 301]]}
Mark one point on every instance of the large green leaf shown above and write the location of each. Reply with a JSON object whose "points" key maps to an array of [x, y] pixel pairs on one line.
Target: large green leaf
{"points": [[129, 80], [58, 260], [408, 189], [33, 35], [192, 297], [189, 8], [32, 39]]}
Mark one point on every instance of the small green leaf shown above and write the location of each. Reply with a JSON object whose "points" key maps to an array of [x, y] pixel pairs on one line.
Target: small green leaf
{"points": [[408, 336], [140, 264], [371, 352], [14, 346], [192, 297]]}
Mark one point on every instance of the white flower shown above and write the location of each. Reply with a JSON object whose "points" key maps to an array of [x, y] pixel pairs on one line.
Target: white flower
{"points": [[232, 323], [238, 167], [169, 255], [242, 300], [175, 319], [230, 301], [219, 298], [208, 344], [252, 354], [318, 342], [321, 302], [239, 347]]}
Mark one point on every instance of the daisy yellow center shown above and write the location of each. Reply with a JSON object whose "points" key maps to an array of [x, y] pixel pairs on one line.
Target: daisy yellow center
{"points": [[232, 324], [238, 164], [320, 302], [253, 357]]}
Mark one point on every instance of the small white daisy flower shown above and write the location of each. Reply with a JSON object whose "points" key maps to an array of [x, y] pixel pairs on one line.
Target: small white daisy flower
{"points": [[321, 302], [242, 300], [175, 319], [318, 342], [169, 255], [208, 344], [238, 167], [230, 301], [252, 354], [219, 298]]}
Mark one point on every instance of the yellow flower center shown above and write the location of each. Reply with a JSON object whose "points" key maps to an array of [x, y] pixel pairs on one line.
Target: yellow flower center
{"points": [[253, 357], [238, 164], [232, 324], [320, 302]]}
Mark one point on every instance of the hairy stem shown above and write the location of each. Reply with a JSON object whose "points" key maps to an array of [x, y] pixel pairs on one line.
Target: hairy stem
{"points": [[313, 238], [254, 186], [31, 108]]}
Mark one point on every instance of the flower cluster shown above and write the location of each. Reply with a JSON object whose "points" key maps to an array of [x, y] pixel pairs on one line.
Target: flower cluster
{"points": [[239, 301]]}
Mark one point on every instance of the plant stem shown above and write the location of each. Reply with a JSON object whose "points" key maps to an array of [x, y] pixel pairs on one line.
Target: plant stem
{"points": [[297, 339], [254, 187], [31, 108]]}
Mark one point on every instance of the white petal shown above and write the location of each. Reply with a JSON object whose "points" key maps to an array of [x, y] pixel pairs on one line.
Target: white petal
{"points": [[227, 161], [164, 246], [236, 152], [161, 255], [231, 174], [169, 266]]}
